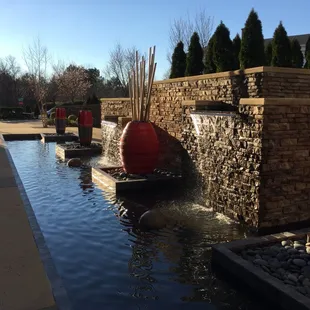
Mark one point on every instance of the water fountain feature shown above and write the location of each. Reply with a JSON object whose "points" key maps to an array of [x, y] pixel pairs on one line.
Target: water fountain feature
{"points": [[109, 133]]}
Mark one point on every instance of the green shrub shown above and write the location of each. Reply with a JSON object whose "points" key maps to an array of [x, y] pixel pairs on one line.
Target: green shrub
{"points": [[252, 53], [72, 123], [297, 56], [223, 55], [281, 48], [72, 117], [268, 54], [178, 65], [236, 48], [209, 59], [194, 64], [51, 122], [53, 115]]}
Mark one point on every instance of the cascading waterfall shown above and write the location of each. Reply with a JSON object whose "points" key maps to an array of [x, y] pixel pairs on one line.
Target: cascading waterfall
{"points": [[207, 124], [109, 130]]}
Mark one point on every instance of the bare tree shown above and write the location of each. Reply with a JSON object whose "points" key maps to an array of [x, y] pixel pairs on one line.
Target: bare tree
{"points": [[72, 82], [182, 29], [121, 62], [36, 59]]}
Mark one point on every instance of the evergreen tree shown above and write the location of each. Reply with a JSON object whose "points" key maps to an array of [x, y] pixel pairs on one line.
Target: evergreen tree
{"points": [[281, 48], [236, 48], [307, 54], [178, 65], [252, 53], [297, 56], [194, 60], [268, 54], [208, 61], [223, 55]]}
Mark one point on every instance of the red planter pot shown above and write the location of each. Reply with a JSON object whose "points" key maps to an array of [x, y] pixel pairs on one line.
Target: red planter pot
{"points": [[85, 123], [139, 148], [60, 120]]}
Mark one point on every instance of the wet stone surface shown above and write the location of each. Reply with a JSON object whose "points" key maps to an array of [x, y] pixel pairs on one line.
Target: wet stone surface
{"points": [[67, 134], [77, 146], [119, 174], [288, 261]]}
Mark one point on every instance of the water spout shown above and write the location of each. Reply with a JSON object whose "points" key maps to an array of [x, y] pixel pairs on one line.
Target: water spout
{"points": [[109, 130], [109, 124], [201, 118]]}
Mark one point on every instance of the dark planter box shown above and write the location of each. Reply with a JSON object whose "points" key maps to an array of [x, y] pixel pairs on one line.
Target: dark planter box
{"points": [[104, 178], [226, 258], [67, 151], [67, 137]]}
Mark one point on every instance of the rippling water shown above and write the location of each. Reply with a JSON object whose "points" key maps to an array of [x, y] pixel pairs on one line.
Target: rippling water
{"points": [[105, 261]]}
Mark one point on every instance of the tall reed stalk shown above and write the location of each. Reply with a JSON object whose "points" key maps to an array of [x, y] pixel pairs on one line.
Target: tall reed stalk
{"points": [[139, 91]]}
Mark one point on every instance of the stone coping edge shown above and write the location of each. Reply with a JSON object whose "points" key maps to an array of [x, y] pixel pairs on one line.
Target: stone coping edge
{"points": [[275, 101], [254, 70], [224, 256], [114, 99], [59, 292]]}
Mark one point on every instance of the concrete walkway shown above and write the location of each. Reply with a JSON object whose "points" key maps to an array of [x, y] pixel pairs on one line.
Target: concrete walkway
{"points": [[23, 281]]}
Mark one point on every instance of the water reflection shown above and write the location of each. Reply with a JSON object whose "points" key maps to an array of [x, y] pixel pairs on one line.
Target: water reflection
{"points": [[85, 178], [106, 260]]}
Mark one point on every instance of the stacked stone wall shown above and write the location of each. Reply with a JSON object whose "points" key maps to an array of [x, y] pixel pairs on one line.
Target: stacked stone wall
{"points": [[253, 164]]}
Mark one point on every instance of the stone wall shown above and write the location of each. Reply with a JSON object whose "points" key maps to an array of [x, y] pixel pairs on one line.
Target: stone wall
{"points": [[253, 163], [226, 149], [285, 83], [285, 172]]}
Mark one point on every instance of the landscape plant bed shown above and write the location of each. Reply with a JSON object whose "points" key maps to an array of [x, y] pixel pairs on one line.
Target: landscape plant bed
{"points": [[275, 266], [119, 181], [55, 137], [70, 150]]}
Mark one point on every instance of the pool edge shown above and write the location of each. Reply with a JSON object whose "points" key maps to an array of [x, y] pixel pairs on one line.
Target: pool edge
{"points": [[59, 292]]}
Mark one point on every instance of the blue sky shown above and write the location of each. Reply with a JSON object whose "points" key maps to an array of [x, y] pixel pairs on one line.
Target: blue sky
{"points": [[85, 32]]}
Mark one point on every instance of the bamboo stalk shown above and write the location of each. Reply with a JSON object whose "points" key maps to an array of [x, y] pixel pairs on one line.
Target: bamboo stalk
{"points": [[134, 93], [148, 83], [150, 90], [140, 95], [152, 74], [130, 96], [141, 91], [137, 85], [142, 81]]}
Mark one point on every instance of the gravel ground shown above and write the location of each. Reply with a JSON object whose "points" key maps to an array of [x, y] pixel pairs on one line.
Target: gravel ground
{"points": [[77, 146], [56, 134], [288, 261], [119, 174]]}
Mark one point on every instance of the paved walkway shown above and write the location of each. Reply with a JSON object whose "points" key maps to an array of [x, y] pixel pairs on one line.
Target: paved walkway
{"points": [[23, 281]]}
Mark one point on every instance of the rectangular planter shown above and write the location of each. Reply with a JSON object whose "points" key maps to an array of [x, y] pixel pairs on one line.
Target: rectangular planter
{"points": [[103, 178], [226, 258], [64, 152], [67, 137], [20, 137]]}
